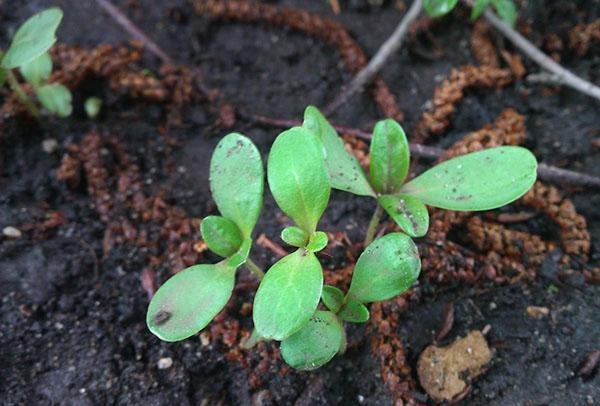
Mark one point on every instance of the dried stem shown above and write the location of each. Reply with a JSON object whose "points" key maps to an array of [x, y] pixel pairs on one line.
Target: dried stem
{"points": [[389, 47]]}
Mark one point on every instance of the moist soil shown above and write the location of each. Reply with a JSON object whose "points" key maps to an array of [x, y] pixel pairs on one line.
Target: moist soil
{"points": [[72, 310]]}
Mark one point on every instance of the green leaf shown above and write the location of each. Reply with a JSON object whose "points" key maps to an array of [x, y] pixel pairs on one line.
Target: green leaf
{"points": [[507, 11], [189, 300], [344, 170], [408, 212], [92, 107], [288, 295], [390, 157], [298, 178], [386, 268], [33, 38], [315, 344], [318, 240], [482, 180], [2, 76], [294, 236], [37, 70], [437, 8], [332, 297], [56, 98], [237, 181], [221, 235], [354, 312], [241, 255], [478, 8]]}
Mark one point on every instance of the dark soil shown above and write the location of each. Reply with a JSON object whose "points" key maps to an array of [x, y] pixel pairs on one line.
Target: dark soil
{"points": [[72, 315]]}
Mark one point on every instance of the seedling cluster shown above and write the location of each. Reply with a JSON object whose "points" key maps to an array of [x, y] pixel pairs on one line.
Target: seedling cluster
{"points": [[506, 9], [28, 52], [304, 163]]}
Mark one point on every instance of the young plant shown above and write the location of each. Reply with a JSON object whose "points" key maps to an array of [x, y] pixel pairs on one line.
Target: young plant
{"points": [[482, 180], [506, 9], [29, 53], [189, 300]]}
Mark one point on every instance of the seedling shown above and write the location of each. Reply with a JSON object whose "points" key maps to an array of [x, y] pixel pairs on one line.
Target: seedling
{"points": [[506, 9], [92, 107], [304, 164], [482, 180], [29, 53], [189, 300]]}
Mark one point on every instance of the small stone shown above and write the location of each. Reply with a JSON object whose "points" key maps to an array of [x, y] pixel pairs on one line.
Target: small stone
{"points": [[537, 311], [49, 145], [204, 338], [165, 363], [11, 232]]}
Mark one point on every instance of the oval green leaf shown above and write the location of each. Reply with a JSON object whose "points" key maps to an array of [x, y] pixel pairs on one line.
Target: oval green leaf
{"points": [[507, 11], [288, 295], [33, 38], [437, 8], [56, 98], [237, 181], [294, 236], [386, 268], [390, 157], [332, 297], [221, 235], [344, 170], [298, 178], [189, 300], [241, 255], [408, 212], [354, 312], [37, 70], [92, 107], [482, 180], [318, 240], [315, 344]]}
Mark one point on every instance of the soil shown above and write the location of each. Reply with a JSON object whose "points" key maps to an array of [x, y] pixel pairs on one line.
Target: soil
{"points": [[72, 314]]}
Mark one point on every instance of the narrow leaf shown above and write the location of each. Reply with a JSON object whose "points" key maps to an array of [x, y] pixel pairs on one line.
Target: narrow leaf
{"points": [[318, 241], [294, 236], [237, 181], [390, 157], [354, 312], [482, 180], [37, 70], [33, 38], [298, 178], [56, 98], [408, 212], [221, 235], [332, 297], [344, 170], [189, 300], [478, 8], [437, 8], [315, 344], [386, 268], [288, 295]]}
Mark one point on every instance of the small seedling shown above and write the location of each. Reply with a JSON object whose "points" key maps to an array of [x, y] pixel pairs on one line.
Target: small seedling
{"points": [[506, 9], [92, 107], [189, 300], [304, 164], [29, 53]]}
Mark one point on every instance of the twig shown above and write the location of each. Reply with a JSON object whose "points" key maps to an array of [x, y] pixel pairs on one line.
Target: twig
{"points": [[560, 74], [545, 172], [391, 45]]}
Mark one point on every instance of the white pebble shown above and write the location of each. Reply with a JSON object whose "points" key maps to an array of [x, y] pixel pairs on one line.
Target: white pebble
{"points": [[165, 363], [49, 145], [11, 232]]}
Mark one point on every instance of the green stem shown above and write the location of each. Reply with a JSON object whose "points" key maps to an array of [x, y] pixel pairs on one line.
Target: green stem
{"points": [[255, 269], [16, 87], [373, 225]]}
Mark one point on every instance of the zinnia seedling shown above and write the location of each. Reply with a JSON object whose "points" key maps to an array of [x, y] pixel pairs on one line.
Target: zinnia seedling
{"points": [[304, 164], [29, 52]]}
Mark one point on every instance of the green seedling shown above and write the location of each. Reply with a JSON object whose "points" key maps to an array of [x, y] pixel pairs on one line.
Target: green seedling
{"points": [[189, 300], [92, 107], [482, 180], [506, 9], [29, 53]]}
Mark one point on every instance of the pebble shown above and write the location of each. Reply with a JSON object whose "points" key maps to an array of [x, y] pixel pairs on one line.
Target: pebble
{"points": [[49, 145], [537, 311], [11, 232], [165, 363]]}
